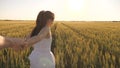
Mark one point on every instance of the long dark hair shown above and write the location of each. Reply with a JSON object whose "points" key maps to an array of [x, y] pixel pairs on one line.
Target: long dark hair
{"points": [[41, 21]]}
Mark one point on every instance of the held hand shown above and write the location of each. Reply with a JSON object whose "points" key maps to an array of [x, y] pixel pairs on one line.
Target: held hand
{"points": [[18, 44], [1, 42], [19, 47]]}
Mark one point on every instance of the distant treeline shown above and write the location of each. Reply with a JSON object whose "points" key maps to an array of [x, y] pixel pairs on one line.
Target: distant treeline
{"points": [[115, 21], [16, 20]]}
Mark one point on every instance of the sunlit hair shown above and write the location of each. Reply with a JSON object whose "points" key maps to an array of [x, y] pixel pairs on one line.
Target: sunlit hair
{"points": [[41, 21]]}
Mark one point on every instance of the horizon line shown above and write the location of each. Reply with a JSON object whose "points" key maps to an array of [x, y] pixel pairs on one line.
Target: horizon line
{"points": [[54, 20], [62, 20]]}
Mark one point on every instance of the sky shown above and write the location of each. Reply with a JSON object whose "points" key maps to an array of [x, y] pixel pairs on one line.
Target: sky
{"points": [[68, 10]]}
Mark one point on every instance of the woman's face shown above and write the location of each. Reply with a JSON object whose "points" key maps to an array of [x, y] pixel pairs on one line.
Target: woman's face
{"points": [[49, 22]]}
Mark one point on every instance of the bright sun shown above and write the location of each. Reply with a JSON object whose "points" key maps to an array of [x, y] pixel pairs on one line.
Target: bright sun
{"points": [[76, 5]]}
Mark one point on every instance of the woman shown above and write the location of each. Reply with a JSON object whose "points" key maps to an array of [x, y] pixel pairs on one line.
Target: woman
{"points": [[41, 39]]}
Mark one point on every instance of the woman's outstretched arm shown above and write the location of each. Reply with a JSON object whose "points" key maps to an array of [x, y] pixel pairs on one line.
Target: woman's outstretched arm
{"points": [[17, 43], [27, 36], [42, 34]]}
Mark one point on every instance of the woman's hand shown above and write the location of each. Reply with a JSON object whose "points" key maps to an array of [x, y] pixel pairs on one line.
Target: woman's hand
{"points": [[18, 44]]}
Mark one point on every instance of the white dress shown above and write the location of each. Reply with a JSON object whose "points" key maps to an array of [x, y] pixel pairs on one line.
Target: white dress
{"points": [[41, 56]]}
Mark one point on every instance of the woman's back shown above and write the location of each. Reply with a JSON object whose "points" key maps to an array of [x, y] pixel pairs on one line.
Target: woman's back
{"points": [[44, 45]]}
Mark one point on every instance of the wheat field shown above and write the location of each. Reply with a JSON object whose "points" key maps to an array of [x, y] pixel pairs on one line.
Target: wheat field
{"points": [[75, 44]]}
